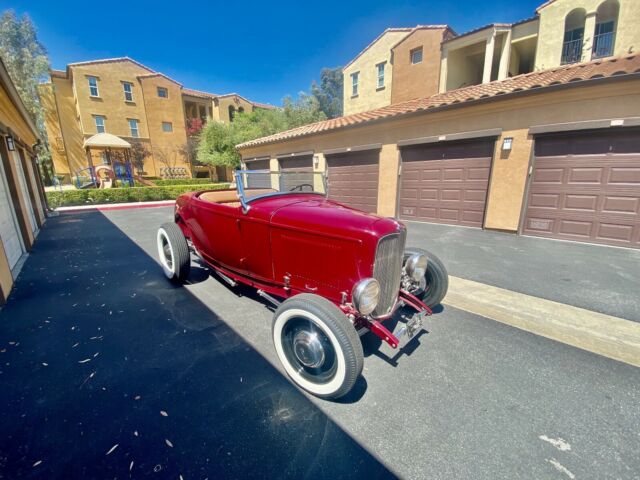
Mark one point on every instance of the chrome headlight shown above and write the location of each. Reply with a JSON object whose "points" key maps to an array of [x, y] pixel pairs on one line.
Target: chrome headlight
{"points": [[365, 295], [416, 266]]}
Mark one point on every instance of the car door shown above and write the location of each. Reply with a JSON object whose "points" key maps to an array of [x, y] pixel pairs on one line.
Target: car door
{"points": [[218, 232]]}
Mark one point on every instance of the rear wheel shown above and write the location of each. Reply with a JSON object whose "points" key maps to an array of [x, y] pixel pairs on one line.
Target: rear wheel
{"points": [[435, 283], [317, 345], [173, 252]]}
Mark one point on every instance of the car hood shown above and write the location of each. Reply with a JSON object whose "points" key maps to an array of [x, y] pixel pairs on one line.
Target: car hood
{"points": [[331, 218]]}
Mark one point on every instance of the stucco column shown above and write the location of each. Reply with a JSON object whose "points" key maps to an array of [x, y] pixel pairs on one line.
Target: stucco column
{"points": [[488, 57], [388, 183], [319, 165], [274, 166], [505, 56], [589, 33], [442, 85]]}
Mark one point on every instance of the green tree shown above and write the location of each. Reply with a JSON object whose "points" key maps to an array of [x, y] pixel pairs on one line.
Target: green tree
{"points": [[217, 141], [27, 63], [217, 145], [329, 92]]}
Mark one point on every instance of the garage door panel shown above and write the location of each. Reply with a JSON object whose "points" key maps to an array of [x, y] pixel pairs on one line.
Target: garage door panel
{"points": [[580, 202], [598, 198], [353, 179], [552, 176], [608, 231], [451, 185], [455, 174], [621, 205], [475, 196], [580, 176], [545, 200], [624, 175]]}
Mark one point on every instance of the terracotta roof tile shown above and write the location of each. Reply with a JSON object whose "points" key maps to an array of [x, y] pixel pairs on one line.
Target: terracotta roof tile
{"points": [[629, 64], [198, 93]]}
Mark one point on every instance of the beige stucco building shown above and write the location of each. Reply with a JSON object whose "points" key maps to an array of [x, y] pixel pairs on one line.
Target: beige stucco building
{"points": [[125, 98], [553, 153], [560, 32], [368, 77], [22, 202]]}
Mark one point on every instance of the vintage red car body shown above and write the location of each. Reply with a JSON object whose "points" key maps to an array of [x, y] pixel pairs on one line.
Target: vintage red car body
{"points": [[331, 271], [287, 244]]}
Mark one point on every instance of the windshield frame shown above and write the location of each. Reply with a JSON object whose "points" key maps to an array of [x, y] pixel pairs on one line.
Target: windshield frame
{"points": [[246, 201]]}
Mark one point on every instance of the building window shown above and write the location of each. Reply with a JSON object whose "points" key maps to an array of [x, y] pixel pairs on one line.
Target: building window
{"points": [[605, 32], [104, 157], [167, 127], [380, 76], [99, 119], [573, 36], [93, 86], [240, 109], [133, 126], [163, 92], [416, 56], [232, 112], [354, 83], [128, 91]]}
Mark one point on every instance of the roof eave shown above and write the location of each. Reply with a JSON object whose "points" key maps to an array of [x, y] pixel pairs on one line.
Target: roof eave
{"points": [[451, 106]]}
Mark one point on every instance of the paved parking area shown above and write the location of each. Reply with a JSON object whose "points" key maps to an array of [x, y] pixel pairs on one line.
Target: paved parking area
{"points": [[595, 277], [107, 370]]}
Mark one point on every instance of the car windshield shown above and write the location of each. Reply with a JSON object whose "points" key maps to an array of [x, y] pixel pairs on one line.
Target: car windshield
{"points": [[254, 184]]}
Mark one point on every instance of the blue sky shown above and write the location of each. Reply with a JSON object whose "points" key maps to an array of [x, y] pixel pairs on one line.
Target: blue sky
{"points": [[262, 50]]}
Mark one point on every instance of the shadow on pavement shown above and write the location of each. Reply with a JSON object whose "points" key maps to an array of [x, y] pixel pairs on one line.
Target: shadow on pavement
{"points": [[109, 371]]}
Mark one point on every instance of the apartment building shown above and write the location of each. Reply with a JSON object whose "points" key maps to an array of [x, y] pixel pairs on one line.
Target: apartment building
{"points": [[432, 59], [148, 111], [22, 202], [531, 128]]}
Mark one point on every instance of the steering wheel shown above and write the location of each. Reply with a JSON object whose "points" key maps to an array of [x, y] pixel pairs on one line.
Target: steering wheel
{"points": [[299, 187]]}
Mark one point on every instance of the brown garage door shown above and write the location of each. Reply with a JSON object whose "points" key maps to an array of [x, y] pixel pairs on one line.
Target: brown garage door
{"points": [[302, 164], [446, 182], [353, 179], [586, 187], [258, 180]]}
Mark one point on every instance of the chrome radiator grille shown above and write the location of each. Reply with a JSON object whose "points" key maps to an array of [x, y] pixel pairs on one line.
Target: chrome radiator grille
{"points": [[388, 269]]}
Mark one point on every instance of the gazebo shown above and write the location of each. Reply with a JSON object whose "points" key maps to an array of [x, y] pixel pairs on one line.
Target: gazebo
{"points": [[117, 158]]}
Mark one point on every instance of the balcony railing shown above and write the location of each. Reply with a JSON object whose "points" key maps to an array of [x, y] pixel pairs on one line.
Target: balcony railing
{"points": [[571, 51], [602, 45]]}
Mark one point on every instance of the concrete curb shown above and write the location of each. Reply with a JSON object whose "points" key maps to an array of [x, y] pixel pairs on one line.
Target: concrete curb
{"points": [[605, 335], [117, 206]]}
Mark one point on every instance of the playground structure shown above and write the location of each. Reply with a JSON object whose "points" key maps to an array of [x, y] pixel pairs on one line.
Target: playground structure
{"points": [[116, 169]]}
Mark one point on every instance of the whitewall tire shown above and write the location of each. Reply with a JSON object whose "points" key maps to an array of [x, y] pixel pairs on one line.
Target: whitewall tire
{"points": [[173, 252], [317, 345]]}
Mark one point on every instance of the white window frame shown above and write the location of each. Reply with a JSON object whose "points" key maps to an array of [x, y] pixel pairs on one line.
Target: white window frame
{"points": [[355, 80], [170, 124], [133, 127], [165, 90], [380, 67], [413, 52], [99, 125], [127, 92], [93, 85]]}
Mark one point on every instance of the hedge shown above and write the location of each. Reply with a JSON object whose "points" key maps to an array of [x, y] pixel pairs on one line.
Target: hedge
{"points": [[124, 195], [181, 181]]}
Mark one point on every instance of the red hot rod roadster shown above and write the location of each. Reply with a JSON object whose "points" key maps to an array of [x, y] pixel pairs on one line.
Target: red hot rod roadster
{"points": [[333, 272]]}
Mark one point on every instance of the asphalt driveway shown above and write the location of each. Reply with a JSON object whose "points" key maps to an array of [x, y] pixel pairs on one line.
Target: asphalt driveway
{"points": [[109, 371], [595, 277]]}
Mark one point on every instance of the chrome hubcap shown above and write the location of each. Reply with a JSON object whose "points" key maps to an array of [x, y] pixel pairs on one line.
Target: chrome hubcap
{"points": [[308, 349]]}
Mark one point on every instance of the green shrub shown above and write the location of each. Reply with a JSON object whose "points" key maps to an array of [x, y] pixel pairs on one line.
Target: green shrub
{"points": [[181, 181], [125, 195]]}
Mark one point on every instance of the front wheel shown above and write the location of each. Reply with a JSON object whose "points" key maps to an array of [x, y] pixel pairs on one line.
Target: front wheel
{"points": [[317, 345], [435, 283]]}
